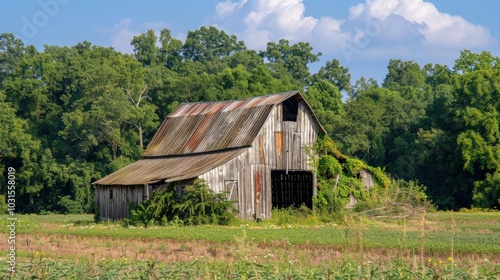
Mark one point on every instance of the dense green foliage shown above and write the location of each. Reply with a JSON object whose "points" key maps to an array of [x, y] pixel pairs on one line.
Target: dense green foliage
{"points": [[70, 115], [198, 205]]}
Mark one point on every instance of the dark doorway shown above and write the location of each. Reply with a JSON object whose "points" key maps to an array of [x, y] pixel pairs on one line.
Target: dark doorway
{"points": [[292, 188]]}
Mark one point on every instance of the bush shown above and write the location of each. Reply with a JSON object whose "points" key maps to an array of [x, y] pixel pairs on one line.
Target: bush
{"points": [[69, 206], [140, 213], [199, 205], [400, 199]]}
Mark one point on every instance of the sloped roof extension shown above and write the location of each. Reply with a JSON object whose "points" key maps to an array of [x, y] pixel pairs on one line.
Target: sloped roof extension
{"points": [[168, 169]]}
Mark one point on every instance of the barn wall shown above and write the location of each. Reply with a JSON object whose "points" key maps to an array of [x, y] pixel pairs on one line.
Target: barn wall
{"points": [[116, 208], [234, 175], [279, 145]]}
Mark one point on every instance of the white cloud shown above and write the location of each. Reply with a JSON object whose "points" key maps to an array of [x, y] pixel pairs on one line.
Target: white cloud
{"points": [[374, 27], [122, 34], [261, 21], [436, 28]]}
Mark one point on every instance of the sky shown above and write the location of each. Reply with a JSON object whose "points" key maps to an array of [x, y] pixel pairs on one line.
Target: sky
{"points": [[362, 34]]}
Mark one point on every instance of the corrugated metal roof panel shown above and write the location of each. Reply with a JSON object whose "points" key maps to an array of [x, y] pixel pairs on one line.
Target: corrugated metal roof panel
{"points": [[167, 169], [211, 126]]}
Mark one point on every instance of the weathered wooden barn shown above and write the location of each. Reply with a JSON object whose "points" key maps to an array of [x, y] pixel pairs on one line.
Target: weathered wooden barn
{"points": [[252, 148]]}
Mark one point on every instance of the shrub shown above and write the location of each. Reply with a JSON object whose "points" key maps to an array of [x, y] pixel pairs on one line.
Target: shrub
{"points": [[199, 205], [400, 199], [69, 206]]}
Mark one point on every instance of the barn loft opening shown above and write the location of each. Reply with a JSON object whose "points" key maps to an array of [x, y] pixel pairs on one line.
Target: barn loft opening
{"points": [[290, 110], [291, 189]]}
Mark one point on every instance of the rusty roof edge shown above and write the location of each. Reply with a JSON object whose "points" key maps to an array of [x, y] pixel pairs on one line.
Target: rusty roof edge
{"points": [[199, 153], [179, 176], [233, 100]]}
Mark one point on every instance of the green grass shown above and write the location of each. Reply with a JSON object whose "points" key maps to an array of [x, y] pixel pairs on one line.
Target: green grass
{"points": [[473, 233], [467, 234], [62, 219]]}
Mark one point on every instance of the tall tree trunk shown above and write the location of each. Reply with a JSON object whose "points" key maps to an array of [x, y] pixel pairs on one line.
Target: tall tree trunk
{"points": [[114, 147], [141, 143]]}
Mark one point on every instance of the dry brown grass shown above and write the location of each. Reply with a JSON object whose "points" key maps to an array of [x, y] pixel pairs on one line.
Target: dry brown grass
{"points": [[167, 251]]}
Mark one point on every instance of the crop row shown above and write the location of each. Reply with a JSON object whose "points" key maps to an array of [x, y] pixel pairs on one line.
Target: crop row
{"points": [[38, 268]]}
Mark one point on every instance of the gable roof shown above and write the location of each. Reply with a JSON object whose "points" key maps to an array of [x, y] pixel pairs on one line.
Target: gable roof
{"points": [[212, 126], [197, 137]]}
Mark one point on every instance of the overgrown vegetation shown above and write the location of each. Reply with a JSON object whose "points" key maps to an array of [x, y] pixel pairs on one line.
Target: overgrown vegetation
{"points": [[339, 182], [198, 205]]}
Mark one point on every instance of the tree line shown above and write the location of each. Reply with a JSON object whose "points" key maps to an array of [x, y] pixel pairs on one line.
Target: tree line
{"points": [[71, 115]]}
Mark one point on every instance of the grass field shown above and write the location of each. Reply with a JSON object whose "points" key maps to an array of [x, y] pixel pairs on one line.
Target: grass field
{"points": [[443, 245]]}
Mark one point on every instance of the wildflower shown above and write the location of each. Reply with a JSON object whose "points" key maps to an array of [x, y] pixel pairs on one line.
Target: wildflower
{"points": [[37, 254], [450, 259]]}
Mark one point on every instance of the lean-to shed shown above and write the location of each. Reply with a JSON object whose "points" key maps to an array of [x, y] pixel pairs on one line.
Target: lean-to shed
{"points": [[252, 148]]}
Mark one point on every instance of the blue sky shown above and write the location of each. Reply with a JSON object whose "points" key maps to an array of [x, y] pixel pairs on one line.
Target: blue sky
{"points": [[362, 34]]}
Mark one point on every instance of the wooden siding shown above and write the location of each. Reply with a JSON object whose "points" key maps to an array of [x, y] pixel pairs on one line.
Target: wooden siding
{"points": [[116, 207], [278, 146]]}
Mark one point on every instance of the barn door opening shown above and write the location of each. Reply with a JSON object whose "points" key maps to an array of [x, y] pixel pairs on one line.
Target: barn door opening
{"points": [[292, 188]]}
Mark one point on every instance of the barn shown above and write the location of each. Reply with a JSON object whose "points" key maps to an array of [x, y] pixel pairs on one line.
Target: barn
{"points": [[254, 149]]}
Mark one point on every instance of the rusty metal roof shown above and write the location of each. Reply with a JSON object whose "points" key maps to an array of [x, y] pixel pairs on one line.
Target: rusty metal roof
{"points": [[211, 126], [197, 137], [168, 169]]}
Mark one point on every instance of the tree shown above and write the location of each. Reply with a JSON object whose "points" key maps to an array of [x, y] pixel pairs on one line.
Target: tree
{"points": [[170, 52], [336, 74], [478, 100], [207, 44], [294, 58], [469, 62], [132, 80], [403, 74], [145, 49], [366, 126], [148, 53], [11, 52], [326, 100], [14, 141]]}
